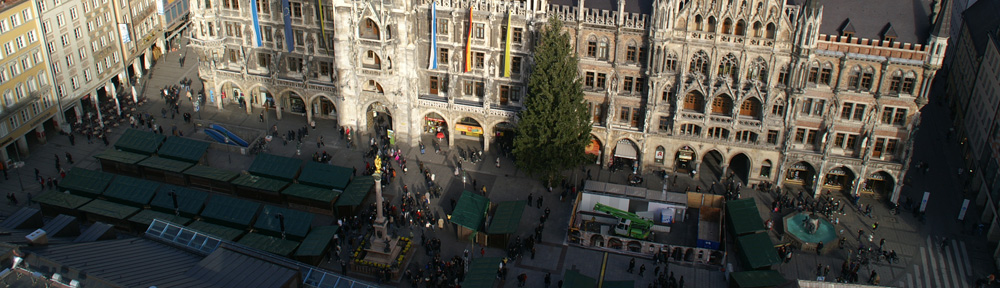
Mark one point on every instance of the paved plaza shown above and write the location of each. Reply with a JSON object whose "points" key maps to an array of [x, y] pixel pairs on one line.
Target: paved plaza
{"points": [[923, 263]]}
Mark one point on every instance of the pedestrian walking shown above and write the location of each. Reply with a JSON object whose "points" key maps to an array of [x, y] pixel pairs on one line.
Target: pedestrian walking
{"points": [[530, 197], [631, 265], [69, 158], [521, 279], [539, 202], [819, 247], [72, 139], [548, 279], [642, 269], [656, 271]]}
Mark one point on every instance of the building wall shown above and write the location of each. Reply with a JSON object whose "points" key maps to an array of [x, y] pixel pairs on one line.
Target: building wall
{"points": [[637, 70], [25, 83], [82, 39]]}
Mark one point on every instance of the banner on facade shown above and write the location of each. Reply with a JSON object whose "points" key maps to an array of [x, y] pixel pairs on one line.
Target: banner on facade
{"points": [[159, 7], [468, 44], [256, 23], [123, 30], [322, 26], [434, 60], [506, 48], [286, 13]]}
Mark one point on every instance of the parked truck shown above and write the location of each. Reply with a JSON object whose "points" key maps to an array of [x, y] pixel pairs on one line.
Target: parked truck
{"points": [[629, 224]]}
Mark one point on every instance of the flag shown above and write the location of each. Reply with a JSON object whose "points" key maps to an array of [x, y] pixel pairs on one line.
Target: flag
{"points": [[256, 23], [286, 12], [506, 48], [322, 26], [468, 44], [434, 46]]}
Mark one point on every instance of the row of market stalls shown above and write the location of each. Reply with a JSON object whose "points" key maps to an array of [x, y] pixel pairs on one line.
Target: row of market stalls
{"points": [[131, 204], [754, 247], [309, 186]]}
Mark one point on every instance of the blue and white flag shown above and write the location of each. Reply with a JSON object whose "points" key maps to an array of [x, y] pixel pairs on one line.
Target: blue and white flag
{"points": [[434, 46], [256, 23], [286, 13]]}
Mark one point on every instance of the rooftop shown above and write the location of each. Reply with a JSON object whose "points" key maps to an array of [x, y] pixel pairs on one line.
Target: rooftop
{"points": [[911, 19]]}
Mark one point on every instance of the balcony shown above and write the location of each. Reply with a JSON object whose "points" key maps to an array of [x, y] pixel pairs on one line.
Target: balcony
{"points": [[691, 115], [754, 123], [433, 97], [721, 119]]}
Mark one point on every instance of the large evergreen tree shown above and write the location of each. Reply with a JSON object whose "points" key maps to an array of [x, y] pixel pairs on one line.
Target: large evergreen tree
{"points": [[553, 130]]}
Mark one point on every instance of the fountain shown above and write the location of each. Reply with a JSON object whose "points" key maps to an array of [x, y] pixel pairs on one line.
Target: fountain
{"points": [[808, 230]]}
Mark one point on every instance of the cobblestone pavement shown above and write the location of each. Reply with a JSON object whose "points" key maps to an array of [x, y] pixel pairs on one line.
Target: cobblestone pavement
{"points": [[922, 265]]}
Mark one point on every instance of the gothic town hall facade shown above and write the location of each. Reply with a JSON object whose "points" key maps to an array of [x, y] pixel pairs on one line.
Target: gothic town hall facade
{"points": [[826, 95]]}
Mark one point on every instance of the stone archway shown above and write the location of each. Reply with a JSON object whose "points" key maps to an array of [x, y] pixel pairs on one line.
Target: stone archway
{"points": [[503, 137], [685, 159], [379, 119], [231, 92], [435, 127], [470, 132], [626, 156], [740, 165], [881, 183], [801, 173], [324, 107], [839, 179], [294, 101], [597, 240], [711, 168]]}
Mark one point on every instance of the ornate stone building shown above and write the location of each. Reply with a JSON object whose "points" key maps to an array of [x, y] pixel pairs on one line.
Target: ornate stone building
{"points": [[791, 92]]}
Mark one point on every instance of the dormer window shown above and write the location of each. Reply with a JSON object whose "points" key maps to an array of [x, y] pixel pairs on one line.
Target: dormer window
{"points": [[888, 35], [847, 29]]}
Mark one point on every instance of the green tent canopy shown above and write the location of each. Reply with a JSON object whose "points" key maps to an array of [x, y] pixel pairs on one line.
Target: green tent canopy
{"points": [[119, 156], [757, 251], [470, 210], [222, 232], [317, 241], [145, 217], [138, 141], [506, 218], [233, 212], [260, 183], [165, 164], [743, 216], [131, 191], [326, 176], [61, 200], [573, 278], [297, 223], [356, 192], [754, 279], [277, 167], [189, 201], [270, 244], [85, 182], [307, 192], [109, 209], [483, 272], [183, 149], [211, 173]]}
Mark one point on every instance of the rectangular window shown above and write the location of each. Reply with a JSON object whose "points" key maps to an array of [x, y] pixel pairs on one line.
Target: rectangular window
{"points": [[852, 142], [480, 60], [72, 13], [845, 112], [825, 76], [627, 85], [900, 118], [630, 54], [294, 64], [859, 112], [800, 135], [442, 27], [299, 38], [518, 34], [592, 48], [601, 80], [296, 10], [480, 89], [839, 140], [264, 6], [624, 116], [588, 79], [443, 56], [515, 65], [879, 147], [636, 114], [640, 85], [468, 88], [434, 85], [890, 146], [772, 136], [664, 123], [480, 31], [811, 136], [866, 80]]}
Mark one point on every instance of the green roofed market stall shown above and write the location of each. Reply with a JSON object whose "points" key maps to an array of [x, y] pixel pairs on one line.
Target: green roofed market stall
{"points": [[297, 223], [743, 216], [757, 279], [354, 195], [259, 188], [573, 278], [88, 183], [469, 214], [274, 245], [142, 220], [138, 141], [757, 251], [506, 218], [277, 167], [120, 162], [109, 212], [229, 211], [189, 201], [54, 203], [211, 178], [483, 272], [326, 176], [164, 170], [222, 232], [312, 199], [316, 245], [131, 191], [183, 149]]}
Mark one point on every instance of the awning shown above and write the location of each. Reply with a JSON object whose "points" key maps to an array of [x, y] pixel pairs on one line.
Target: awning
{"points": [[685, 155], [593, 148], [626, 150]]}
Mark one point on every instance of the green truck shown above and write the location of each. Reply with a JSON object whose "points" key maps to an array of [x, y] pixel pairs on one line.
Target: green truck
{"points": [[629, 224]]}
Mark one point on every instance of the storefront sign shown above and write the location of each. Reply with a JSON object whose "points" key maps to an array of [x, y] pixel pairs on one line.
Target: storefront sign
{"points": [[469, 130]]}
